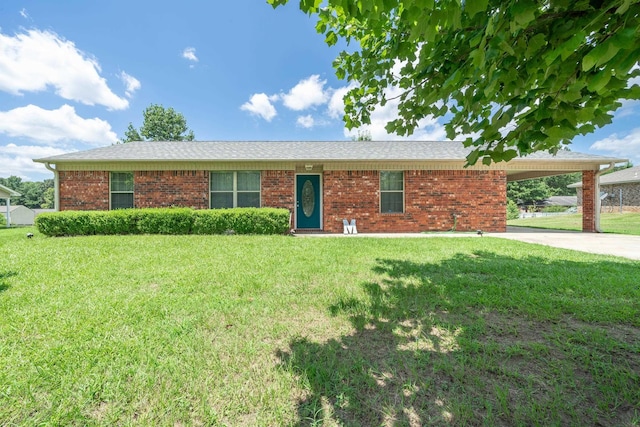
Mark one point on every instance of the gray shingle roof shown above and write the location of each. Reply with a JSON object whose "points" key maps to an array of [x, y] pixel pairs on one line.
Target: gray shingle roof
{"points": [[561, 201], [623, 176], [290, 150]]}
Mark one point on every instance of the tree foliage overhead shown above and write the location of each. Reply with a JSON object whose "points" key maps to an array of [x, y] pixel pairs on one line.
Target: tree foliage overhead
{"points": [[520, 75], [160, 124]]}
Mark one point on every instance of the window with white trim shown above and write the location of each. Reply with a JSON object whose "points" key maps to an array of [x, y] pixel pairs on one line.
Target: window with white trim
{"points": [[237, 189], [391, 191], [121, 189]]}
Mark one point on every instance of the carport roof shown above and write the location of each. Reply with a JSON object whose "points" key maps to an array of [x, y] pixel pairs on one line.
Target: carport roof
{"points": [[624, 176], [6, 192]]}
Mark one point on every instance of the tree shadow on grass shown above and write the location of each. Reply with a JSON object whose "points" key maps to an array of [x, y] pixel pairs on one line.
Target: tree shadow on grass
{"points": [[3, 279], [479, 339]]}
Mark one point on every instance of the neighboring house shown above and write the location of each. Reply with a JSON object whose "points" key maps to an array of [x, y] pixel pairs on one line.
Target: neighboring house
{"points": [[6, 194], [620, 191], [568, 201], [22, 215], [386, 186]]}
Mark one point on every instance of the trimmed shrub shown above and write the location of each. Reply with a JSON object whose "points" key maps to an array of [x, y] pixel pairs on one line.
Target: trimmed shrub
{"points": [[3, 219], [242, 221], [164, 221], [513, 211]]}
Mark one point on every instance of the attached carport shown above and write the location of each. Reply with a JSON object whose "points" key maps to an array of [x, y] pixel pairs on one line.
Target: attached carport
{"points": [[7, 193], [538, 165]]}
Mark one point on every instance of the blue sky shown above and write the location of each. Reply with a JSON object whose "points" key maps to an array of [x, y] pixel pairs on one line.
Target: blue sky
{"points": [[73, 74]]}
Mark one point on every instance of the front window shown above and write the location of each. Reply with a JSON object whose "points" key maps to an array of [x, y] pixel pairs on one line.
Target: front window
{"points": [[391, 192], [121, 188], [235, 189]]}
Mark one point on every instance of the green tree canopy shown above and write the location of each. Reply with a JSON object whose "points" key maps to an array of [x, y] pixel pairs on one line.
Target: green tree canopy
{"points": [[520, 75], [558, 183], [32, 194], [160, 124], [528, 191]]}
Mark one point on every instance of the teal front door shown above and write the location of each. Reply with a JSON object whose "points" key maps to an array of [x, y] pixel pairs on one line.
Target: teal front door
{"points": [[308, 201]]}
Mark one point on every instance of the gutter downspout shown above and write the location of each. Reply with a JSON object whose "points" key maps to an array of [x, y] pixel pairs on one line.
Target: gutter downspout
{"points": [[56, 186], [598, 205]]}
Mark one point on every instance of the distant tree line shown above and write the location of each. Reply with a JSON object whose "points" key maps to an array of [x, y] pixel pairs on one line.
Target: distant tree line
{"points": [[34, 195]]}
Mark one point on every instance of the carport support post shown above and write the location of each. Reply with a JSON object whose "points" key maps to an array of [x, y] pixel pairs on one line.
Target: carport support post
{"points": [[589, 202], [8, 216]]}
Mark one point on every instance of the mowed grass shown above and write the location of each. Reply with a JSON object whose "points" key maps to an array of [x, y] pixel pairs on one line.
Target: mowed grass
{"points": [[248, 330], [621, 223]]}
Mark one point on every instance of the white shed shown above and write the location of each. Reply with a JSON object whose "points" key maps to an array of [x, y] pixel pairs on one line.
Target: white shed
{"points": [[22, 215], [7, 193]]}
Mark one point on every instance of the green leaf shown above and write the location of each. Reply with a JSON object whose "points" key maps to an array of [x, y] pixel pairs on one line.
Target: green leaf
{"points": [[509, 155], [310, 6], [276, 3], [599, 81], [473, 7], [524, 12], [599, 55], [569, 47], [624, 7], [560, 132], [477, 57], [331, 38], [535, 44], [472, 157], [626, 38]]}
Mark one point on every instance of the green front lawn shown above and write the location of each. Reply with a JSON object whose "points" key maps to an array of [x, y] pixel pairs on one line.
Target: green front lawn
{"points": [[621, 223], [274, 330]]}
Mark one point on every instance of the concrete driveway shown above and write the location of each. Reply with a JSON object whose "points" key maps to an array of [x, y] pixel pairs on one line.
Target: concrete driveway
{"points": [[598, 243]]}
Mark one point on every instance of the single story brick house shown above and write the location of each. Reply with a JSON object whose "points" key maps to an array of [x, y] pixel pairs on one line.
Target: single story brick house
{"points": [[386, 186], [620, 191]]}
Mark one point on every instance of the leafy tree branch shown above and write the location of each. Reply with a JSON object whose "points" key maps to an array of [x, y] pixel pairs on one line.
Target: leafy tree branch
{"points": [[519, 75]]}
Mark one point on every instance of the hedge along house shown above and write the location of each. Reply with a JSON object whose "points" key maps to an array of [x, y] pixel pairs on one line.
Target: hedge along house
{"points": [[390, 186]]}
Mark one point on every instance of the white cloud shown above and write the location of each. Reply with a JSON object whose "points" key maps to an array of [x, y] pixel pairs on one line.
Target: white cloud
{"points": [[131, 83], [36, 60], [24, 13], [50, 126], [17, 160], [627, 146], [306, 121], [189, 53], [429, 129], [260, 105], [307, 93], [336, 102]]}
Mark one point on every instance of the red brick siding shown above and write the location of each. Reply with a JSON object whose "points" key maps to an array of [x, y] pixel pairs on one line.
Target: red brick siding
{"points": [[588, 201], [478, 198], [84, 190], [278, 189], [154, 189]]}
